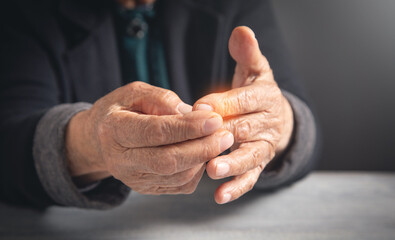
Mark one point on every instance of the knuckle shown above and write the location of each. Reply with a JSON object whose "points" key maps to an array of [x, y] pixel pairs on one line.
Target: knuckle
{"points": [[229, 105], [108, 127], [240, 168], [167, 95], [157, 132], [245, 100], [169, 131], [271, 135], [256, 155], [261, 167], [250, 186], [137, 88], [103, 129], [176, 130], [136, 85], [243, 130], [209, 151], [239, 191]]}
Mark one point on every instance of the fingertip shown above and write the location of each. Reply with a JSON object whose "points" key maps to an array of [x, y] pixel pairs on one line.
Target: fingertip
{"points": [[218, 168], [226, 198], [244, 30], [217, 196], [213, 124], [222, 169], [227, 141], [213, 102], [240, 38], [222, 198], [203, 107], [210, 169], [243, 45], [203, 115], [184, 108]]}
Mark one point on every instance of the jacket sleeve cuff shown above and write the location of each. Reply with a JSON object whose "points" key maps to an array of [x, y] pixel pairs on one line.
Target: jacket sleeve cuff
{"points": [[50, 162], [297, 160]]}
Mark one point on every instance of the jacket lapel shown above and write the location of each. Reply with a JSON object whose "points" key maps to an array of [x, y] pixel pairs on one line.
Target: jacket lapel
{"points": [[85, 14], [192, 41], [192, 38], [91, 59]]}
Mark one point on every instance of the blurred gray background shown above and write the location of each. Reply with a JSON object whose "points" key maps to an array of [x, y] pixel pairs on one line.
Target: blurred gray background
{"points": [[344, 51]]}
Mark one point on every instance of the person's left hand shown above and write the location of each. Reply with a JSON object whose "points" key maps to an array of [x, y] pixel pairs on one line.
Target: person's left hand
{"points": [[257, 114]]}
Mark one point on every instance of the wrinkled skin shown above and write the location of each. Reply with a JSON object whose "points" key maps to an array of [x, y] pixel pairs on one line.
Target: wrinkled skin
{"points": [[147, 138], [257, 114]]}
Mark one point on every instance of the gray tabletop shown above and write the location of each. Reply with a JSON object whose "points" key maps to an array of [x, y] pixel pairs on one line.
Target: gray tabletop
{"points": [[324, 205]]}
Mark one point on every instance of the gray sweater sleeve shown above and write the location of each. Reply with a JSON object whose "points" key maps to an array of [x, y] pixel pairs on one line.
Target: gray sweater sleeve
{"points": [[298, 158], [50, 163]]}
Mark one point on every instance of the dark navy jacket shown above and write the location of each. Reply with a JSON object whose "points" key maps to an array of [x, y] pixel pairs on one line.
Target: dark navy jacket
{"points": [[65, 51]]}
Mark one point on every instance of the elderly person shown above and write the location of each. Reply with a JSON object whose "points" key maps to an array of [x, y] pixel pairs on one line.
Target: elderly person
{"points": [[87, 112]]}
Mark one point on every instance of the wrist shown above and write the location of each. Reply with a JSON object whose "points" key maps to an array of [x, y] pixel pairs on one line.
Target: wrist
{"points": [[81, 154]]}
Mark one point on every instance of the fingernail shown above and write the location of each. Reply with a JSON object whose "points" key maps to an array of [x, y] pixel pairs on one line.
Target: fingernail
{"points": [[184, 108], [227, 141], [204, 107], [212, 124], [226, 198], [221, 169]]}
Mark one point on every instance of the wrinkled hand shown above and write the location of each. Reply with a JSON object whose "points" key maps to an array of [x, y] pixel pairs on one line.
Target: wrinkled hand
{"points": [[257, 114], [139, 135]]}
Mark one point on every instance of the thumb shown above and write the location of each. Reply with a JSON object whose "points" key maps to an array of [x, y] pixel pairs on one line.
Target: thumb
{"points": [[244, 49]]}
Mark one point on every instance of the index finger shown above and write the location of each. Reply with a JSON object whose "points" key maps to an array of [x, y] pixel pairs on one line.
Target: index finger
{"points": [[248, 99], [133, 130], [171, 159]]}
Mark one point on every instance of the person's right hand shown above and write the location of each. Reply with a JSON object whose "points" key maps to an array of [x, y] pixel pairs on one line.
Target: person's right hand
{"points": [[146, 137]]}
